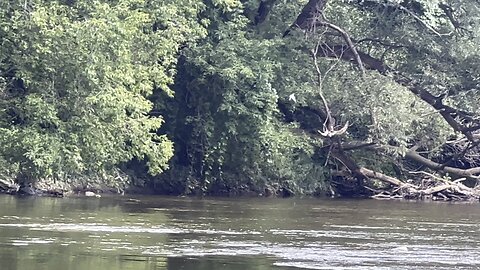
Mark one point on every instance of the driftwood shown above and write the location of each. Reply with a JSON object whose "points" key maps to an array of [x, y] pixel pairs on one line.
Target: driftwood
{"points": [[8, 186], [431, 187], [436, 189]]}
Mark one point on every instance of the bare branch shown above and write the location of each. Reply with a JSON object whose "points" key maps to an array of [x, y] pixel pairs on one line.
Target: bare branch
{"points": [[426, 25], [329, 124], [383, 177], [349, 42]]}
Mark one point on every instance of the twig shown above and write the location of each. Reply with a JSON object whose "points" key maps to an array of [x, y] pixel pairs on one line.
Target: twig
{"points": [[431, 175]]}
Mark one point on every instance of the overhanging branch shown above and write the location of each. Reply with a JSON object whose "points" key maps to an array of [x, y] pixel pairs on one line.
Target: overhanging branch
{"points": [[456, 118]]}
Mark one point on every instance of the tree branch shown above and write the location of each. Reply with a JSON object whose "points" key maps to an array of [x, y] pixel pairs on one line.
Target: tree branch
{"points": [[306, 19], [345, 53], [349, 42], [469, 173], [392, 7], [422, 22], [338, 153], [382, 177], [449, 113], [448, 10]]}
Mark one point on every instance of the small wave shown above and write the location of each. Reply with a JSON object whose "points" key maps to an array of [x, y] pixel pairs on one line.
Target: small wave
{"points": [[95, 227], [26, 242]]}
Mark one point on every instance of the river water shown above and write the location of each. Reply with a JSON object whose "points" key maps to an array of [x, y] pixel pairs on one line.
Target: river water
{"points": [[208, 234]]}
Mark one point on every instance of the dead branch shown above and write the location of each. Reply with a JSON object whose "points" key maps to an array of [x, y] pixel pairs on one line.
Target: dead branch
{"points": [[329, 124], [8, 186], [436, 187], [384, 178], [349, 163], [349, 42], [430, 175], [471, 173], [447, 190], [430, 191]]}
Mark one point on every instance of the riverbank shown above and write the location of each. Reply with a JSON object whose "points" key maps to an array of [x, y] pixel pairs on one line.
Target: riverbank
{"points": [[121, 183], [50, 188], [118, 183]]}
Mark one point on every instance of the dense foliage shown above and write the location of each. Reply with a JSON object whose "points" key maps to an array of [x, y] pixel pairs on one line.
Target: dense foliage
{"points": [[76, 77], [236, 96]]}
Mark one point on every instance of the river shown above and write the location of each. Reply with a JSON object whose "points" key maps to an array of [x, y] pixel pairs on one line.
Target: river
{"points": [[235, 234]]}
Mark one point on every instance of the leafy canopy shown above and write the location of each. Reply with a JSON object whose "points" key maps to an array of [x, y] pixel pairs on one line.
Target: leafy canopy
{"points": [[76, 76]]}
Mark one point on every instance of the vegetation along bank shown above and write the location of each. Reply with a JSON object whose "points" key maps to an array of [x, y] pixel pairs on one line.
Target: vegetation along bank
{"points": [[367, 98]]}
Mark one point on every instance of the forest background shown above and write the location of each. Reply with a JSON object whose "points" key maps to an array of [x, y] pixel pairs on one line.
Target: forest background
{"points": [[237, 97]]}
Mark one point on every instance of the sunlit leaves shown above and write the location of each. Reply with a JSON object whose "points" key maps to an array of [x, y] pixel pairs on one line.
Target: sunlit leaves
{"points": [[88, 69]]}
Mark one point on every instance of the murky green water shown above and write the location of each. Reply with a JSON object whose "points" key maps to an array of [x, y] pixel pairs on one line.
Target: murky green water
{"points": [[209, 234]]}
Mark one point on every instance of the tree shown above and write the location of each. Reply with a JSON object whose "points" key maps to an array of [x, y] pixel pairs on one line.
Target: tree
{"points": [[75, 80], [418, 60], [230, 138], [269, 96]]}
